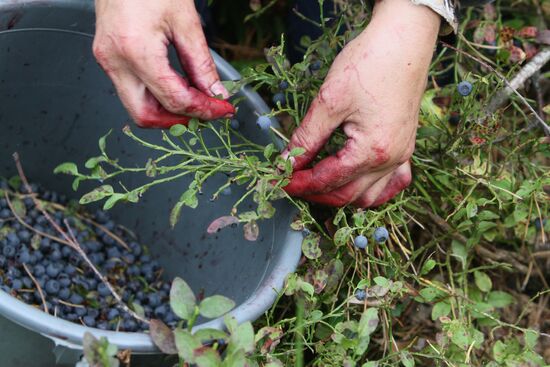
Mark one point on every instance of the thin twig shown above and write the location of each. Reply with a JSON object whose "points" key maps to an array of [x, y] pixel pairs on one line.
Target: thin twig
{"points": [[20, 220], [72, 241], [535, 64], [37, 287]]}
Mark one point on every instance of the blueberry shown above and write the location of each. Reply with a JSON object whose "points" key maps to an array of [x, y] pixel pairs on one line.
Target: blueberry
{"points": [[64, 294], [101, 216], [13, 273], [154, 299], [52, 287], [136, 248], [23, 257], [27, 282], [37, 255], [66, 251], [235, 124], [97, 258], [45, 244], [5, 213], [70, 270], [89, 321], [24, 235], [226, 191], [13, 239], [381, 235], [103, 290], [64, 280], [361, 242], [55, 255], [71, 316], [539, 224], [16, 284], [283, 85], [92, 282], [263, 122], [112, 314], [103, 325], [129, 258], [3, 203], [3, 261], [129, 325], [110, 225], [464, 88], [360, 294], [113, 252], [9, 251], [53, 269], [92, 246], [161, 311], [279, 98], [316, 65], [93, 312], [39, 270], [145, 258], [80, 311]]}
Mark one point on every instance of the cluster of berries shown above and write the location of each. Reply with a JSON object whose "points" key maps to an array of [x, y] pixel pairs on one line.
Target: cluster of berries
{"points": [[380, 235], [70, 287]]}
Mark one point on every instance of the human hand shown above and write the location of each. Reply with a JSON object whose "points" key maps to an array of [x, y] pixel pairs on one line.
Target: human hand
{"points": [[373, 91], [131, 44]]}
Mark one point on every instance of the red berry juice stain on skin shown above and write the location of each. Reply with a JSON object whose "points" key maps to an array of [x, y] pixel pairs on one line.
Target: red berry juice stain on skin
{"points": [[381, 155], [397, 183]]}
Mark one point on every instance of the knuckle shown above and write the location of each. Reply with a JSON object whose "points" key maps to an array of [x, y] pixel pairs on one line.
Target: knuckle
{"points": [[330, 96], [100, 52]]}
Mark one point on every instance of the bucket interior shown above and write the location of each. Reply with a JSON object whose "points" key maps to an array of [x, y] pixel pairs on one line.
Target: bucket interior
{"points": [[55, 104]]}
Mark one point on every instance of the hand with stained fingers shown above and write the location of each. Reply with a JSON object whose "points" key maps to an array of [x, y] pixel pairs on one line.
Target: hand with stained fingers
{"points": [[373, 92], [131, 44]]}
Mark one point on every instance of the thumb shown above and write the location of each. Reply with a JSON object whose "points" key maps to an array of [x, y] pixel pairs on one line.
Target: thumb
{"points": [[195, 56], [312, 134]]}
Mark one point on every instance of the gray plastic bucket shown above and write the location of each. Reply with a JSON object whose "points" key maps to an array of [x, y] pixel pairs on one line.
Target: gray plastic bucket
{"points": [[55, 102]]}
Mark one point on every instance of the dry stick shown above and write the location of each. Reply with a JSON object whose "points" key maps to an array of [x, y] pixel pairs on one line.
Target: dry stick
{"points": [[72, 242], [103, 228], [100, 276], [528, 70], [20, 220], [37, 287]]}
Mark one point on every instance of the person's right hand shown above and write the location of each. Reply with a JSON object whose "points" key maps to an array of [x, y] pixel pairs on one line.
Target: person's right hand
{"points": [[131, 44]]}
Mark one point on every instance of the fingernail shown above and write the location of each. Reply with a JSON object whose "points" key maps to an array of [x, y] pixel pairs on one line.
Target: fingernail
{"points": [[218, 89]]}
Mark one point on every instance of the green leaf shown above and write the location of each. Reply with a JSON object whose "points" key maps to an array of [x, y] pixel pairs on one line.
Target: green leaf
{"points": [[215, 306], [113, 199], [207, 357], [235, 359], [97, 194], [342, 236], [176, 213], [162, 337], [471, 209], [138, 309], [242, 338], [93, 162], [19, 207], [459, 251], [266, 210], [76, 183], [484, 226], [310, 246], [269, 150], [429, 294], [382, 282], [297, 151], [67, 168], [440, 309], [499, 299], [182, 299], [531, 337], [178, 130], [483, 282], [427, 266], [368, 323], [407, 359], [102, 142], [189, 198], [186, 345]]}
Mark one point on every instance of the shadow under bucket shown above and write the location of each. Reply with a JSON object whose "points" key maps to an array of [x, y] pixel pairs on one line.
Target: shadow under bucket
{"points": [[55, 104]]}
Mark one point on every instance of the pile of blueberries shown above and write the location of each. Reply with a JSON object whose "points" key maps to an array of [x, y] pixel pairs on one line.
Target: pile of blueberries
{"points": [[70, 287]]}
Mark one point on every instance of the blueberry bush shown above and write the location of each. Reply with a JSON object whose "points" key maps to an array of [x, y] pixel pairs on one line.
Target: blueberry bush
{"points": [[454, 271]]}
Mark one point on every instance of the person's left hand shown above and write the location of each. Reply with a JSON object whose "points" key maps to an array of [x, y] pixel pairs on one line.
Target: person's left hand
{"points": [[373, 90]]}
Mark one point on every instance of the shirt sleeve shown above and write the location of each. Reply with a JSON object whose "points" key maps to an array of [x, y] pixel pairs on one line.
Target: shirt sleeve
{"points": [[448, 9]]}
